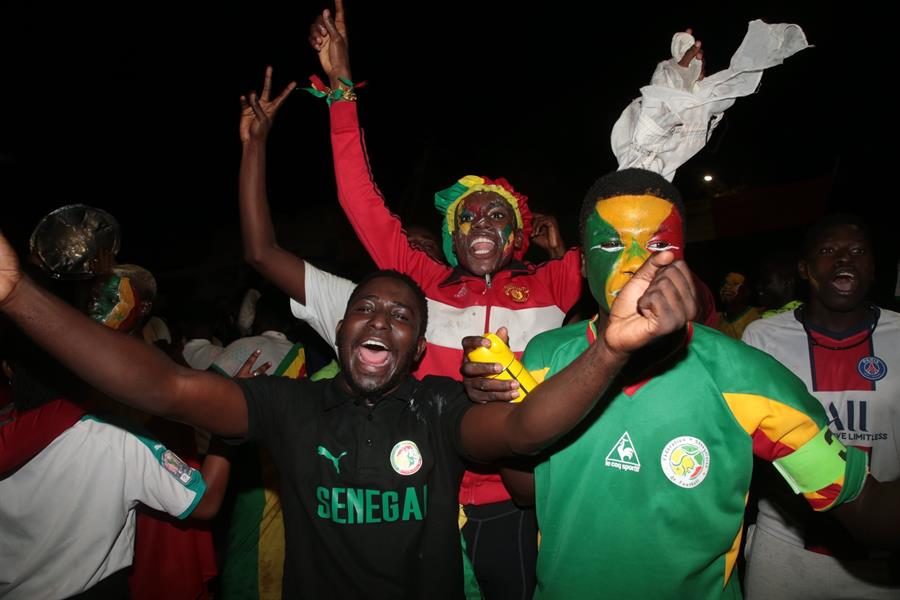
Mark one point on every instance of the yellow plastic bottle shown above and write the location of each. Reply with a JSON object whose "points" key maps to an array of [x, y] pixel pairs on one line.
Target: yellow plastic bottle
{"points": [[512, 368]]}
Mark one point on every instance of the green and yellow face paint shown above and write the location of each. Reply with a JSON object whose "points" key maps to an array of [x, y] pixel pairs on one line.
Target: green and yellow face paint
{"points": [[114, 303], [620, 235]]}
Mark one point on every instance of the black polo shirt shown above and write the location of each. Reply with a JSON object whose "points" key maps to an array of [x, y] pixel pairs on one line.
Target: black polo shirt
{"points": [[369, 495]]}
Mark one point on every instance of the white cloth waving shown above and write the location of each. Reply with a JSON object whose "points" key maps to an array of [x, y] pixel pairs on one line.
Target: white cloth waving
{"points": [[676, 113]]}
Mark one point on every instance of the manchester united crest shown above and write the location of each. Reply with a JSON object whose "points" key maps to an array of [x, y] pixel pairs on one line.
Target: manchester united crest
{"points": [[516, 293]]}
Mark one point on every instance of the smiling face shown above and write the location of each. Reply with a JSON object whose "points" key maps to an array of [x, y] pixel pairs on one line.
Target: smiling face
{"points": [[619, 236], [486, 233], [379, 337], [840, 268]]}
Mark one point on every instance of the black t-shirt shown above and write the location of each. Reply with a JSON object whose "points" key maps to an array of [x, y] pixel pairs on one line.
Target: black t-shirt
{"points": [[357, 484]]}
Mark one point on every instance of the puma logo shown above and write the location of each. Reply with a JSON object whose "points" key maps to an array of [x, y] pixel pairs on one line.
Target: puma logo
{"points": [[323, 451]]}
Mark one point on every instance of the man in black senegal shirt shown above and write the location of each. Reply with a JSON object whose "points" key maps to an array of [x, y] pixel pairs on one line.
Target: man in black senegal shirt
{"points": [[370, 461]]}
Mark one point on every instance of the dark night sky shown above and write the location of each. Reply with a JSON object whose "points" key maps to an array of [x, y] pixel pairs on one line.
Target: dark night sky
{"points": [[135, 110]]}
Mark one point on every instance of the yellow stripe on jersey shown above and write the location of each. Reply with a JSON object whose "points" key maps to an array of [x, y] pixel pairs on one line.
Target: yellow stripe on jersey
{"points": [[779, 422], [732, 554], [540, 375]]}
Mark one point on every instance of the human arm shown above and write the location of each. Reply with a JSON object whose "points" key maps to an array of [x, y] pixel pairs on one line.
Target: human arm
{"points": [[216, 469], [261, 249], [327, 297], [545, 234], [656, 302], [328, 37], [684, 41], [789, 428], [520, 485], [380, 232], [121, 366], [216, 466]]}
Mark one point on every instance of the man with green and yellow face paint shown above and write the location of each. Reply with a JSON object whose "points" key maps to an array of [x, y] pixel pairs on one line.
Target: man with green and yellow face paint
{"points": [[656, 477], [620, 234]]}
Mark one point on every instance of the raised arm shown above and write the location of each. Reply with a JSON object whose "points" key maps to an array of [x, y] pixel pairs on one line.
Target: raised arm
{"points": [[261, 249], [123, 367], [545, 234], [328, 37], [659, 300], [378, 230]]}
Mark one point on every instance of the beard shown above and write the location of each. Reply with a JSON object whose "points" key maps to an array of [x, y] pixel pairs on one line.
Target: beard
{"points": [[371, 391]]}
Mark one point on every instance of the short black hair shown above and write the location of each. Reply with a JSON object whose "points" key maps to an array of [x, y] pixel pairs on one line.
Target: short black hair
{"points": [[818, 228], [272, 312], [406, 279], [629, 182]]}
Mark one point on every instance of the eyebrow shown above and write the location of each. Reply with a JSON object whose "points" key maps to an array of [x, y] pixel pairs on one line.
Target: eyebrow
{"points": [[399, 305], [499, 202], [373, 297]]}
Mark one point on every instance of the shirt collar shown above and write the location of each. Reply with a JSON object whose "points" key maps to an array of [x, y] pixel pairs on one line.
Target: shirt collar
{"points": [[338, 393], [515, 267], [274, 334]]}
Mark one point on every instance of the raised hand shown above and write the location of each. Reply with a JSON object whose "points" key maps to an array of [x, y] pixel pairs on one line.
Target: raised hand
{"points": [[476, 375], [10, 275], [328, 37], [247, 369], [694, 52], [545, 234], [659, 299], [257, 113]]}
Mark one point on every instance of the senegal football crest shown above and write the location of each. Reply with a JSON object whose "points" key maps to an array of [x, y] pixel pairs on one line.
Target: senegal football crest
{"points": [[406, 458], [685, 461]]}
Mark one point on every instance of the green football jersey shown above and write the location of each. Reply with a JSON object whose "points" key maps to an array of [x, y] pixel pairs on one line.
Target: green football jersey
{"points": [[645, 499]]}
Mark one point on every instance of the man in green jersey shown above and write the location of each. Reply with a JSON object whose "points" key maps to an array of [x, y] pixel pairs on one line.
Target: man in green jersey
{"points": [[645, 498]]}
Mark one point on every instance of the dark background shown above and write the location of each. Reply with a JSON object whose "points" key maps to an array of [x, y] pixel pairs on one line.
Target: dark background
{"points": [[134, 109]]}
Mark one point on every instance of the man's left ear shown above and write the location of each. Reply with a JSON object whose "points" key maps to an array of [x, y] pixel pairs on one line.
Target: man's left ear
{"points": [[517, 240], [583, 267], [420, 348]]}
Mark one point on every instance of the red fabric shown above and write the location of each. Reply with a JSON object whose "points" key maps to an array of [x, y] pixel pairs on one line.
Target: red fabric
{"points": [[23, 436], [554, 283], [836, 370], [707, 302], [767, 449], [830, 493], [172, 559]]}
